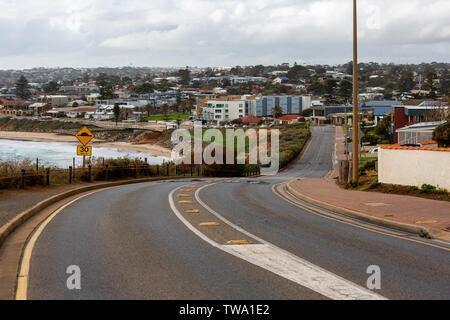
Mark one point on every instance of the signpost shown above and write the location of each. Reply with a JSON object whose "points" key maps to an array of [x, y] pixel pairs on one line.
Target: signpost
{"points": [[85, 151], [84, 136]]}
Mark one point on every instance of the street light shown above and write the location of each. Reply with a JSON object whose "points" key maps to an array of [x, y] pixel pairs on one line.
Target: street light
{"points": [[355, 131]]}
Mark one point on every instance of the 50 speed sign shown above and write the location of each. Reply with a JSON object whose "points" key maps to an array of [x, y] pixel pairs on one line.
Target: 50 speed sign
{"points": [[84, 151]]}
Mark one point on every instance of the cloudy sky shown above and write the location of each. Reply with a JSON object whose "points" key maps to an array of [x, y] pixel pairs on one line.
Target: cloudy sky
{"points": [[90, 33]]}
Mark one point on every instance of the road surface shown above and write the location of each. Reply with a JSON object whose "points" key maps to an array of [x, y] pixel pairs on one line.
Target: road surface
{"points": [[130, 243]]}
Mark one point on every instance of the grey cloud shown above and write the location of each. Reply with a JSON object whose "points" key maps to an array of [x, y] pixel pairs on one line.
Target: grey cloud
{"points": [[229, 32]]}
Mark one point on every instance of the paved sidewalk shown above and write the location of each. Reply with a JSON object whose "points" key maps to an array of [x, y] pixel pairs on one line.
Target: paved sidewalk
{"points": [[412, 210], [339, 151], [13, 202], [399, 208]]}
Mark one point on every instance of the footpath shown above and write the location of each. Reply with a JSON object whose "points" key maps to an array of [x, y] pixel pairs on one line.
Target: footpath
{"points": [[390, 209]]}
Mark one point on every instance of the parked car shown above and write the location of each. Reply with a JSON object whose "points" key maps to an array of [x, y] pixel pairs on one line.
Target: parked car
{"points": [[374, 151]]}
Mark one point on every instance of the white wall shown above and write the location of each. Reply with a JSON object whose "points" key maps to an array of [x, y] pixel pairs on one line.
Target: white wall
{"points": [[414, 167]]}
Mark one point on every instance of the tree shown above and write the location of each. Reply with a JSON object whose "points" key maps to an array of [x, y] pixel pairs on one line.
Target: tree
{"points": [[444, 85], [185, 76], [178, 100], [442, 134], [297, 72], [225, 82], [22, 87], [51, 87], [146, 87], [316, 88], [106, 86], [307, 112], [429, 84], [406, 82], [165, 111], [330, 88], [383, 128], [149, 108], [116, 111], [277, 112], [345, 89], [349, 67]]}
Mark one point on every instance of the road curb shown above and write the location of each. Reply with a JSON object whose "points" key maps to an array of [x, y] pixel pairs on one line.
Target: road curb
{"points": [[419, 230], [22, 217]]}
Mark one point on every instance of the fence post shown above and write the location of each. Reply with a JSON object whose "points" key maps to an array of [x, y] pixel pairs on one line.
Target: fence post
{"points": [[37, 165], [89, 173], [184, 171], [191, 170], [198, 170], [70, 175], [135, 170], [22, 180], [107, 172], [167, 170], [176, 170], [157, 169], [48, 176]]}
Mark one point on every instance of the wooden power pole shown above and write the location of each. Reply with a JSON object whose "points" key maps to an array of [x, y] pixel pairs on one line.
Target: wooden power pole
{"points": [[355, 131]]}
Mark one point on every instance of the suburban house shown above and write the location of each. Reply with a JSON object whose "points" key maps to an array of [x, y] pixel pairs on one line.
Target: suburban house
{"points": [[80, 112], [287, 119], [55, 100], [14, 107], [381, 109], [425, 112], [281, 80], [251, 119], [417, 133], [39, 108]]}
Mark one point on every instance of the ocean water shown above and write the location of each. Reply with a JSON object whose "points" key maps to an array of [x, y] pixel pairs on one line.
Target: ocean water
{"points": [[61, 154]]}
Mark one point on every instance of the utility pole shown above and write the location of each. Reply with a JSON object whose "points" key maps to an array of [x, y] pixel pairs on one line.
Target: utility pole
{"points": [[355, 131]]}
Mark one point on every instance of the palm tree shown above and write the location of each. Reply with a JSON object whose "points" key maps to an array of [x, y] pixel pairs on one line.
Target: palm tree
{"points": [[277, 112]]}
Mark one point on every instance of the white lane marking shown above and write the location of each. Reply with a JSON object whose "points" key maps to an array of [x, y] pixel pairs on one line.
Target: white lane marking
{"points": [[283, 263]]}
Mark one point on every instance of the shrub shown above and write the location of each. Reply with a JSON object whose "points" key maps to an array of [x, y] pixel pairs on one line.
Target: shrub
{"points": [[442, 134], [375, 184], [427, 188], [369, 165]]}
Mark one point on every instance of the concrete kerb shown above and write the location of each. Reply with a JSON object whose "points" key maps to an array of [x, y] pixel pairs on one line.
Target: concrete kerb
{"points": [[14, 223], [421, 231]]}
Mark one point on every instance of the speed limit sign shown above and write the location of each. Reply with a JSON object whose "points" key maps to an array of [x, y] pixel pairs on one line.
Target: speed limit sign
{"points": [[84, 151]]}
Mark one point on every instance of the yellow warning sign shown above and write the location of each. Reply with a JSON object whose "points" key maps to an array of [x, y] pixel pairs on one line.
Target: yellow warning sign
{"points": [[84, 151], [85, 136]]}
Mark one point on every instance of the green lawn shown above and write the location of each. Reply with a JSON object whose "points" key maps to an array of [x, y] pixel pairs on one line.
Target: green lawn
{"points": [[169, 117]]}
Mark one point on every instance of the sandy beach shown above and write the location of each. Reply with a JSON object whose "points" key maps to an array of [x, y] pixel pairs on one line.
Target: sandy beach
{"points": [[155, 150]]}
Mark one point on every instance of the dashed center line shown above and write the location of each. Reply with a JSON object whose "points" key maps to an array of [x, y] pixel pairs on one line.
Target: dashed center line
{"points": [[279, 261]]}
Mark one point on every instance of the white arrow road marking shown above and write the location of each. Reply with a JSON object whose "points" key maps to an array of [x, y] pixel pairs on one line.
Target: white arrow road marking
{"points": [[283, 263]]}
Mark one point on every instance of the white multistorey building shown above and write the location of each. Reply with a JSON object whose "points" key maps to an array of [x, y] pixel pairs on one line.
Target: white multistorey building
{"points": [[224, 110]]}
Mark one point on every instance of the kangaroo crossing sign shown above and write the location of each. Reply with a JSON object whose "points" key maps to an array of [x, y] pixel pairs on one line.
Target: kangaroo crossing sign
{"points": [[84, 136]]}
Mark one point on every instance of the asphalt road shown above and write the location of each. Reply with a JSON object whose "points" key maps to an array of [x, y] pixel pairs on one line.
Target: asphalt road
{"points": [[129, 244]]}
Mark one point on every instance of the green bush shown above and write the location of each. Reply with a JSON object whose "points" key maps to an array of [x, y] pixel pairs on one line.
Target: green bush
{"points": [[375, 184], [427, 188], [369, 165], [442, 134]]}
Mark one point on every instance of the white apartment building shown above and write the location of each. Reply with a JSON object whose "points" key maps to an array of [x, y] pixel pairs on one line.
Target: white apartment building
{"points": [[224, 110]]}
